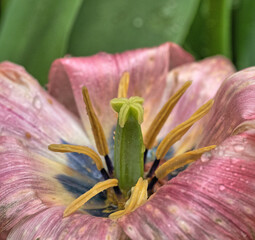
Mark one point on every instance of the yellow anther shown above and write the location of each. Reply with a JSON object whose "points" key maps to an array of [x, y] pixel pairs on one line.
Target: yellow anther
{"points": [[162, 116], [97, 129], [78, 149], [180, 161], [138, 197], [123, 85], [177, 133], [99, 187]]}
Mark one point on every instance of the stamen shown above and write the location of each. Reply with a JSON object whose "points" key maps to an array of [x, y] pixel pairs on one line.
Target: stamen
{"points": [[97, 129], [176, 134], [78, 149], [123, 85], [138, 197], [180, 161], [162, 116], [99, 187]]}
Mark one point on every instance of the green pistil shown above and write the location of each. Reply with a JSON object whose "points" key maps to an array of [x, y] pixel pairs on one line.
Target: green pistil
{"points": [[128, 147]]}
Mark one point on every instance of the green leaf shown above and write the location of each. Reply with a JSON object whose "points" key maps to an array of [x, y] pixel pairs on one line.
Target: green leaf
{"points": [[244, 33], [210, 33], [35, 32], [115, 25]]}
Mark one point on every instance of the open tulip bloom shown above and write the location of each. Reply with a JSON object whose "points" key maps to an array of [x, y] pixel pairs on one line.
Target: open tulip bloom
{"points": [[146, 144]]}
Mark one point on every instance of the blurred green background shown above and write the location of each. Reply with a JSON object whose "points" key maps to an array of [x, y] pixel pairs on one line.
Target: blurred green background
{"points": [[35, 32]]}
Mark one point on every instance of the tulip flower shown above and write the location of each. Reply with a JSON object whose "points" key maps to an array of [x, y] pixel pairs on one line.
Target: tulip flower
{"points": [[73, 191]]}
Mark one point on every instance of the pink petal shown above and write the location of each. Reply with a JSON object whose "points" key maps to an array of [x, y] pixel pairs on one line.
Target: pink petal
{"points": [[233, 110], [206, 76], [213, 199], [101, 74], [28, 183], [29, 113], [50, 224]]}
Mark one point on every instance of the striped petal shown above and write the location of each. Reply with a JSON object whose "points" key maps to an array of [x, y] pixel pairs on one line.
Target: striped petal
{"points": [[213, 199], [50, 224], [234, 108], [101, 74], [31, 183], [29, 113], [206, 76]]}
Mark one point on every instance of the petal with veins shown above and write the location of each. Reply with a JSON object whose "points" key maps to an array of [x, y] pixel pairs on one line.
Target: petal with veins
{"points": [[49, 224], [31, 183], [233, 110], [212, 199], [30, 114], [206, 76]]}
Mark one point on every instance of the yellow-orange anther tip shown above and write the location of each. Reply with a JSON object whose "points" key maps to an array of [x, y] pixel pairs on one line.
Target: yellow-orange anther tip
{"points": [[180, 161], [123, 85], [163, 115], [80, 201]]}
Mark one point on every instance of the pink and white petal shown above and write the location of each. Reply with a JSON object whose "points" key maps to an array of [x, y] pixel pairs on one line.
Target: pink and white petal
{"points": [[206, 76], [213, 199], [29, 183], [31, 114], [233, 110], [50, 224], [101, 74]]}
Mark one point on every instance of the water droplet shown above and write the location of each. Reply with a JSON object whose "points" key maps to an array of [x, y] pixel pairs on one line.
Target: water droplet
{"points": [[242, 168], [221, 152], [238, 148], [222, 187], [37, 103], [206, 157], [138, 22]]}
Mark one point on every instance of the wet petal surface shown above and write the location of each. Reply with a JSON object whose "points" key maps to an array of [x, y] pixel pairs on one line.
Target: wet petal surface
{"points": [[212, 199], [233, 110], [49, 224], [30, 114], [206, 76]]}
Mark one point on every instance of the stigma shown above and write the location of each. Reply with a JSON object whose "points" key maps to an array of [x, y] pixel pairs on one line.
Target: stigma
{"points": [[127, 184]]}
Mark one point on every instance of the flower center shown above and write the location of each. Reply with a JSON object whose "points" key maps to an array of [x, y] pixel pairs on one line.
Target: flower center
{"points": [[130, 150]]}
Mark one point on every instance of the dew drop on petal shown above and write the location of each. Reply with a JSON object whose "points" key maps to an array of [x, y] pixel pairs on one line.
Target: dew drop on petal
{"points": [[37, 103], [222, 187], [242, 168], [206, 157], [221, 153], [238, 148]]}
